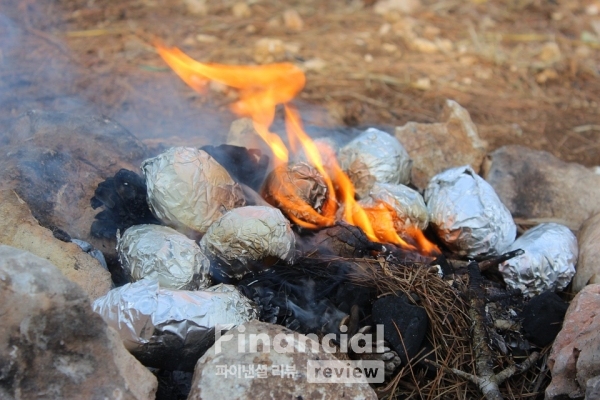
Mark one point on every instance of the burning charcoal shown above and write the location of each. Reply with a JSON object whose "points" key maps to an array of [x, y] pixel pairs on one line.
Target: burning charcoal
{"points": [[125, 204], [467, 215], [163, 254], [171, 329], [397, 314], [408, 205], [548, 262], [542, 318], [299, 191], [375, 156], [247, 166], [247, 239], [188, 190]]}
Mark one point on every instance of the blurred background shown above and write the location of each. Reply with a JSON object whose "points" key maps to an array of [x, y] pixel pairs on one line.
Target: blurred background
{"points": [[526, 70]]}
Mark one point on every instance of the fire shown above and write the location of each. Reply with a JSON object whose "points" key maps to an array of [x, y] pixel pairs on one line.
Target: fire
{"points": [[261, 89]]}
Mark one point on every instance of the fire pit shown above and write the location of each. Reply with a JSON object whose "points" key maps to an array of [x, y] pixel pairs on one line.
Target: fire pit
{"points": [[312, 253]]}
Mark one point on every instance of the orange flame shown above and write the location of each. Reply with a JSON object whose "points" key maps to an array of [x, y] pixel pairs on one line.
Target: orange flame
{"points": [[261, 89]]}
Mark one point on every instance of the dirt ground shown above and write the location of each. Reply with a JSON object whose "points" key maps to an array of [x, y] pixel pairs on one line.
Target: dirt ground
{"points": [[527, 70]]}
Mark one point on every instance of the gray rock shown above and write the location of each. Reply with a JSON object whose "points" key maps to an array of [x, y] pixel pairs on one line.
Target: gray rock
{"points": [[54, 161], [18, 228], [588, 265], [52, 345], [438, 146], [208, 384], [592, 390], [574, 359], [535, 185]]}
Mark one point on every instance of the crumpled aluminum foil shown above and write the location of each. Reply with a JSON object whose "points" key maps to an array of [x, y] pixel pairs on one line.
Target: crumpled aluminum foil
{"points": [[327, 150], [163, 254], [410, 208], [168, 328], [467, 214], [242, 240], [88, 248], [188, 189], [299, 191], [375, 156], [548, 262]]}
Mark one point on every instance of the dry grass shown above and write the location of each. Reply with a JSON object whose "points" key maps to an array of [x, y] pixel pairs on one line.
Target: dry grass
{"points": [[449, 335]]}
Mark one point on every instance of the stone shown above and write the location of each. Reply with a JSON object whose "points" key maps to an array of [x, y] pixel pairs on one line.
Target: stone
{"points": [[55, 161], [574, 360], [52, 345], [403, 6], [438, 146], [196, 7], [397, 313], [268, 50], [535, 185], [293, 384], [18, 228], [241, 10], [424, 46], [292, 20], [542, 318], [592, 390], [588, 265]]}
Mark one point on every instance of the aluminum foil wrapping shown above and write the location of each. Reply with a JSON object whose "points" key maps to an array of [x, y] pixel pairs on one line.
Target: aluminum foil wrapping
{"points": [[375, 156], [548, 262], [327, 150], [410, 208], [299, 191], [163, 254], [246, 239], [188, 189], [167, 328], [467, 214]]}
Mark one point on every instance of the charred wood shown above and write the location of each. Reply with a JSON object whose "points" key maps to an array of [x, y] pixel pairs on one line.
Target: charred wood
{"points": [[246, 166], [124, 199]]}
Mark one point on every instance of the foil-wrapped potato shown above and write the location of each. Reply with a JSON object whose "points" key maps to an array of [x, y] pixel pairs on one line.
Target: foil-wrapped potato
{"points": [[408, 205], [188, 189], [163, 254], [300, 192], [375, 156], [467, 214], [248, 239], [171, 329], [548, 262]]}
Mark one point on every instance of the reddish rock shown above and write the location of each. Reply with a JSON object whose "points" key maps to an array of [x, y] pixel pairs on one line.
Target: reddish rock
{"points": [[588, 265], [574, 359]]}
